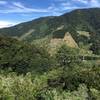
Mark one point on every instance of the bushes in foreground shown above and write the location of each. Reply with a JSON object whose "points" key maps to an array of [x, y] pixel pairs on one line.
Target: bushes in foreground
{"points": [[29, 87], [54, 94], [24, 87]]}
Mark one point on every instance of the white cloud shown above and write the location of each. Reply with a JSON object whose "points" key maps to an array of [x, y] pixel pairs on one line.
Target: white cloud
{"points": [[61, 8], [18, 4], [89, 3], [59, 0], [63, 5], [82, 1], [72, 4], [3, 2], [66, 4], [18, 7], [6, 24], [94, 3]]}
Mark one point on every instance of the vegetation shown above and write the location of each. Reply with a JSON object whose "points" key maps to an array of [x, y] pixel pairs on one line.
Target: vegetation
{"points": [[29, 70], [23, 57], [87, 20]]}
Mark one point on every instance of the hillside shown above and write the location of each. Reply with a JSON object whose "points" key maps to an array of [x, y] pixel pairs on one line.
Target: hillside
{"points": [[29, 72], [81, 19], [87, 20], [22, 57], [52, 58]]}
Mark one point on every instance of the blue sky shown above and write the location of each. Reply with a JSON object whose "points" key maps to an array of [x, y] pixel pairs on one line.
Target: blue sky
{"points": [[16, 11]]}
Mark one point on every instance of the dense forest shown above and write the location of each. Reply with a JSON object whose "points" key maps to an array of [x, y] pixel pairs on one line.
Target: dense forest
{"points": [[34, 68], [29, 72]]}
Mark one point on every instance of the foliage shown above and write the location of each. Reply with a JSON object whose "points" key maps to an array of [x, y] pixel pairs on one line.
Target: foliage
{"points": [[29, 72], [28, 87], [22, 57], [66, 56], [54, 94]]}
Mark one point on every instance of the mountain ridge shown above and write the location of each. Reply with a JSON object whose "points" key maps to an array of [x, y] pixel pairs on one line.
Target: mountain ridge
{"points": [[87, 20], [38, 20]]}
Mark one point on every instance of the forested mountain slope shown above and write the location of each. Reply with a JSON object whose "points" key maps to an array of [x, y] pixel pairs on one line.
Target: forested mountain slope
{"points": [[87, 20]]}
